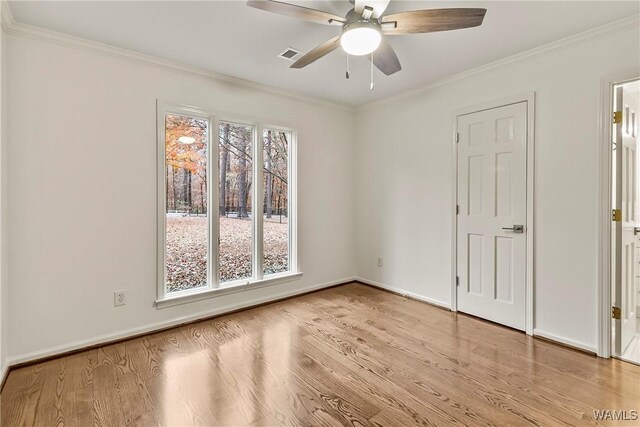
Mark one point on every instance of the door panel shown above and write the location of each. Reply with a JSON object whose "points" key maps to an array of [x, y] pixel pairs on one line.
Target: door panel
{"points": [[492, 195], [475, 185], [476, 264], [504, 269], [504, 200]]}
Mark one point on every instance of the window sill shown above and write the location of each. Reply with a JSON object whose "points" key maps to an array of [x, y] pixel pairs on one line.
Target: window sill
{"points": [[184, 297]]}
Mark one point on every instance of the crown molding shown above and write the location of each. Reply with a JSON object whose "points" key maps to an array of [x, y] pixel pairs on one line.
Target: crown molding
{"points": [[32, 32], [6, 17], [628, 23]]}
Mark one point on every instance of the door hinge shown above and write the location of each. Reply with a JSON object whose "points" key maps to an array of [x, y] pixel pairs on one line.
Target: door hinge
{"points": [[457, 209], [457, 138], [616, 313], [457, 281], [616, 215], [617, 117]]}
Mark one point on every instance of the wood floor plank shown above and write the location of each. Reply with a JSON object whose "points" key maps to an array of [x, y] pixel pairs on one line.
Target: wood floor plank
{"points": [[350, 355], [105, 403]]}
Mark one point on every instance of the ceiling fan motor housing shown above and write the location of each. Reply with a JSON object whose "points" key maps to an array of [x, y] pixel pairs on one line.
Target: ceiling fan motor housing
{"points": [[353, 17]]}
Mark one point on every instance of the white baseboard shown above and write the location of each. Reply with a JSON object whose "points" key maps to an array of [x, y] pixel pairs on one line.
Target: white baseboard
{"points": [[107, 338], [4, 371], [553, 337], [422, 298]]}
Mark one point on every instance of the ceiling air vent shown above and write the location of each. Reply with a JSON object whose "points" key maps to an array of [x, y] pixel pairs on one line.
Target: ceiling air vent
{"points": [[289, 54]]}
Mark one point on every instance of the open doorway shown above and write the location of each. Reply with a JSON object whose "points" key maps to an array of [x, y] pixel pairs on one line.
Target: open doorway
{"points": [[625, 232]]}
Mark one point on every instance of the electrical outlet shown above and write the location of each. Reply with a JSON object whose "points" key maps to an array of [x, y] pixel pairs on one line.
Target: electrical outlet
{"points": [[379, 261], [119, 298]]}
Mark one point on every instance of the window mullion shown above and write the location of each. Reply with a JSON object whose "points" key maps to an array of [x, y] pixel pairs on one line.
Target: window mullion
{"points": [[213, 178], [258, 217], [292, 208], [162, 210]]}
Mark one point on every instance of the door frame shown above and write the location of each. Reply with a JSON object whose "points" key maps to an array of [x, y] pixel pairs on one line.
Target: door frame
{"points": [[529, 98], [603, 265]]}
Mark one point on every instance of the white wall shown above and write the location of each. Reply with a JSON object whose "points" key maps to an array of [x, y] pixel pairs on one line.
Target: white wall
{"points": [[3, 270], [82, 192], [404, 174]]}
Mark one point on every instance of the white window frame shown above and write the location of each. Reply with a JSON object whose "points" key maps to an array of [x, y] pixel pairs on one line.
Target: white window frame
{"points": [[213, 286]]}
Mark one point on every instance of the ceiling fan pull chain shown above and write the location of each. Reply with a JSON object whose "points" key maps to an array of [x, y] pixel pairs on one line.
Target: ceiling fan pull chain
{"points": [[372, 85], [347, 66]]}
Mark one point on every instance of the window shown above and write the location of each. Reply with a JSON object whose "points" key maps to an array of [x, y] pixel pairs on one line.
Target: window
{"points": [[234, 191], [226, 210], [186, 143], [276, 201]]}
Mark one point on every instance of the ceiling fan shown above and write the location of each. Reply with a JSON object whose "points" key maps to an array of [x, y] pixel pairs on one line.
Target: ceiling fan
{"points": [[364, 28]]}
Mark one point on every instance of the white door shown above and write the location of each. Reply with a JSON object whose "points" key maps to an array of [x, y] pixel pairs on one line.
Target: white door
{"points": [[625, 204], [492, 210]]}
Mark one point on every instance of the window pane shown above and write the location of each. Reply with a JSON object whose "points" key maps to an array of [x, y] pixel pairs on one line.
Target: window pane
{"points": [[276, 201], [186, 202], [236, 227]]}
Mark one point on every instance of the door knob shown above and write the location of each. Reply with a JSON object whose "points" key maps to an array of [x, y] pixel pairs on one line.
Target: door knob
{"points": [[518, 229]]}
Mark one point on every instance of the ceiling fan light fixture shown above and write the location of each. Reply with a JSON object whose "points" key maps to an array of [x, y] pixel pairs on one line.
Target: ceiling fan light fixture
{"points": [[360, 38]]}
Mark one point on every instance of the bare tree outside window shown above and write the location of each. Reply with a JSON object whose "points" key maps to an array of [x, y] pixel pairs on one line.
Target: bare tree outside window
{"points": [[276, 201], [235, 204], [186, 201]]}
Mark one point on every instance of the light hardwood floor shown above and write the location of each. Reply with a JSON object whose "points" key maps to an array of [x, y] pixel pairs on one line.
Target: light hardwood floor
{"points": [[350, 355]]}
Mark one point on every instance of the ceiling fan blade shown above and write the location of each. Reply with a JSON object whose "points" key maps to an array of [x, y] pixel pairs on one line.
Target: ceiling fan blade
{"points": [[378, 6], [385, 59], [431, 20], [317, 52], [294, 11]]}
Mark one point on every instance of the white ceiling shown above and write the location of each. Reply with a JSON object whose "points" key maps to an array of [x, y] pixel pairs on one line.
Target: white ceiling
{"points": [[231, 38]]}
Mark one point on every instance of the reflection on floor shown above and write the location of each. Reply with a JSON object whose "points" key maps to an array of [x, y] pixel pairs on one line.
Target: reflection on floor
{"points": [[632, 352]]}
